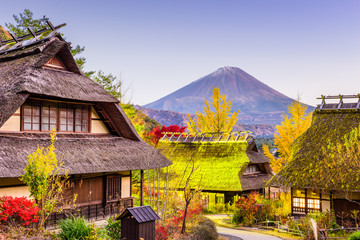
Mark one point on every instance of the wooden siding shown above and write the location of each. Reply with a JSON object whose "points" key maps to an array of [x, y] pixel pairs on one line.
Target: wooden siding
{"points": [[88, 190]]}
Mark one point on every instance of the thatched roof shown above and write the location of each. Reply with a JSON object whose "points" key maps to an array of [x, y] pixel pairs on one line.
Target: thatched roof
{"points": [[21, 72], [81, 153], [256, 181], [220, 165], [22, 75], [306, 155]]}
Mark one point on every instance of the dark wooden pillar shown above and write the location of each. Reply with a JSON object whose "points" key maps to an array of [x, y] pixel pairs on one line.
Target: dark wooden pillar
{"points": [[292, 200], [306, 201], [141, 187]]}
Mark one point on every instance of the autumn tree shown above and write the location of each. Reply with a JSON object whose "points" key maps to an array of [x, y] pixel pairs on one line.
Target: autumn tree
{"points": [[47, 180], [189, 191], [157, 133], [292, 126], [217, 116]]}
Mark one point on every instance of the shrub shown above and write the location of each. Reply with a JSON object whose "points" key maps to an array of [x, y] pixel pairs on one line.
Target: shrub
{"points": [[246, 209], [171, 228], [113, 228], [161, 231], [325, 219], [206, 230], [18, 211], [355, 236], [266, 210], [76, 228]]}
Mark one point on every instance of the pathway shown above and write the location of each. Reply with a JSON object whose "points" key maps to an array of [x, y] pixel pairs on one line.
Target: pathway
{"points": [[236, 234]]}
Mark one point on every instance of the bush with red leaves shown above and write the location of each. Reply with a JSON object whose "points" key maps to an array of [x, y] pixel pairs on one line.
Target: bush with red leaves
{"points": [[18, 210], [173, 225], [157, 133]]}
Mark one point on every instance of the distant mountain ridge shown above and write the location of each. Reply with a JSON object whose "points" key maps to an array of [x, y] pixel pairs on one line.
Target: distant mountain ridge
{"points": [[258, 103], [167, 118]]}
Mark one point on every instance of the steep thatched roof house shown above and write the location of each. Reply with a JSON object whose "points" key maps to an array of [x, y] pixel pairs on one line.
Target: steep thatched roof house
{"points": [[227, 166], [41, 87], [305, 171]]}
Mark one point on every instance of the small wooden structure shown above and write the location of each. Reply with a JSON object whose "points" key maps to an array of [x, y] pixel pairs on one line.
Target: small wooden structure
{"points": [[138, 222]]}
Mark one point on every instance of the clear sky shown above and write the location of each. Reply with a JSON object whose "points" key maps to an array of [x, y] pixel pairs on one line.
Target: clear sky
{"points": [[298, 47]]}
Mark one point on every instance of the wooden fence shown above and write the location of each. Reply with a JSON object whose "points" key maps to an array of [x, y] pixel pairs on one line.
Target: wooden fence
{"points": [[91, 212]]}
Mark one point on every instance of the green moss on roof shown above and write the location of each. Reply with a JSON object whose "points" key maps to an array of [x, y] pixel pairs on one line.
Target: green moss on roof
{"points": [[306, 154], [218, 163]]}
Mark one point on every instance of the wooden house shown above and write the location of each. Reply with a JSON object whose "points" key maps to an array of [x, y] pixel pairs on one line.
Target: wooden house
{"points": [[331, 122], [226, 165], [41, 87]]}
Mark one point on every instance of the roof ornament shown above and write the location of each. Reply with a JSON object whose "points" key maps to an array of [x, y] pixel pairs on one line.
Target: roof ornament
{"points": [[236, 136], [340, 105], [22, 42]]}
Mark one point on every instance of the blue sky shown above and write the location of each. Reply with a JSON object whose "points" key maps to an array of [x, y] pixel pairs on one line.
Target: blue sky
{"points": [[305, 48]]}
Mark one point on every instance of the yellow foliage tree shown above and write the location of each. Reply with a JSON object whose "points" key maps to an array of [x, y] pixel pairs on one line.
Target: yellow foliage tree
{"points": [[292, 126], [216, 115], [47, 181]]}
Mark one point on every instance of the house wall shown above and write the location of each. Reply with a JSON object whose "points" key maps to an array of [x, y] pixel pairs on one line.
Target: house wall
{"points": [[13, 123], [20, 191], [97, 125], [125, 187], [325, 205]]}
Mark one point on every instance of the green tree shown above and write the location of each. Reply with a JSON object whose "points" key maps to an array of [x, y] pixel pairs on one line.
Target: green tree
{"points": [[292, 126], [25, 20], [47, 180], [217, 115], [109, 82]]}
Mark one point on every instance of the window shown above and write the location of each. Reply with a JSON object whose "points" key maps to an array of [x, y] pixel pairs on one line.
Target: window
{"points": [[299, 202], [252, 168], [113, 188], [313, 203], [64, 117], [31, 117], [81, 119], [49, 116]]}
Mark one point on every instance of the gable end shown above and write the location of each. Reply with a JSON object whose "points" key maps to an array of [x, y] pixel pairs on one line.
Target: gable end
{"points": [[55, 63]]}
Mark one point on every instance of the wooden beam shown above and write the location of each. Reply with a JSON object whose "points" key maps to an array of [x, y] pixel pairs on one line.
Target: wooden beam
{"points": [[50, 25], [14, 37], [141, 187], [31, 31], [36, 33]]}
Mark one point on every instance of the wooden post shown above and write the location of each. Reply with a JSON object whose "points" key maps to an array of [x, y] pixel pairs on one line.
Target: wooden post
{"points": [[292, 200], [306, 202], [141, 187]]}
